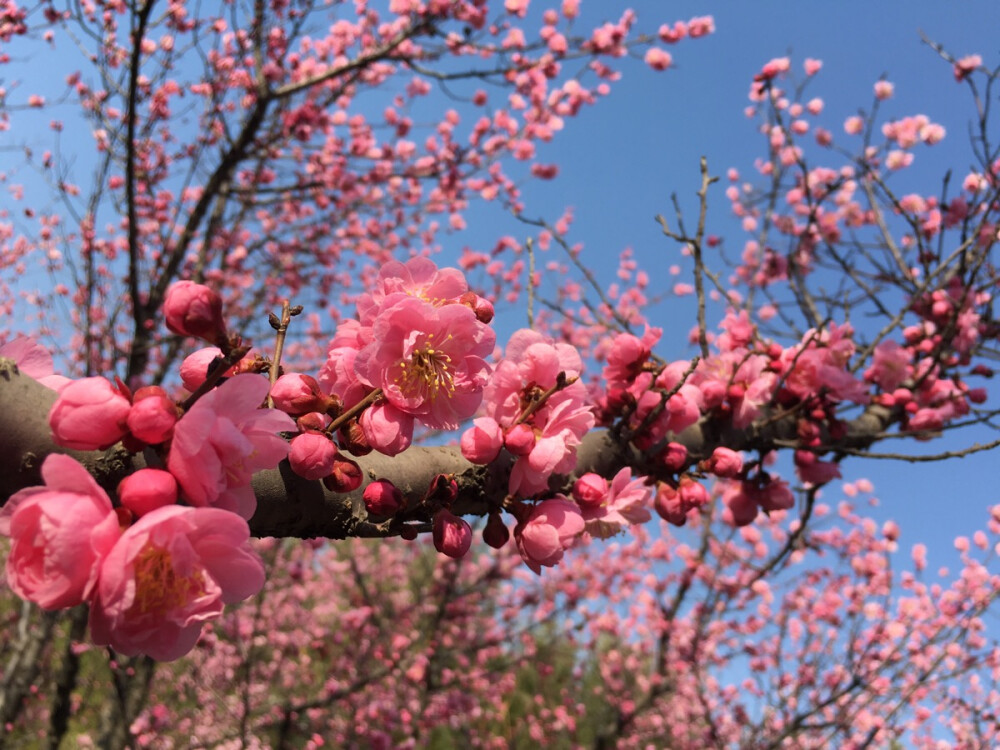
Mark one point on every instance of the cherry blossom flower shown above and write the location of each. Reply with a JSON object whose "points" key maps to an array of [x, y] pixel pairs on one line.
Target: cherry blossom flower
{"points": [[626, 503]]}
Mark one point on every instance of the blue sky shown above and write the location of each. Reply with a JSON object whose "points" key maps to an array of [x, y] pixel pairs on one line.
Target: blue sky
{"points": [[621, 160]]}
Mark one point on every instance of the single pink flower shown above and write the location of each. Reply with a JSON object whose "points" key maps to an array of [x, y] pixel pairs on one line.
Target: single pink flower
{"points": [[90, 414], [152, 416], [590, 490], [382, 498], [223, 439], [312, 455], [298, 394], [428, 360], [452, 535], [59, 535], [168, 575], [626, 503], [146, 490], [725, 462], [482, 442], [194, 310], [548, 532], [387, 429]]}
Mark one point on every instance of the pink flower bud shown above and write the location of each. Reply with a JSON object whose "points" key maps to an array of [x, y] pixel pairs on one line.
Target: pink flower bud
{"points": [[590, 489], [669, 505], [194, 310], [388, 430], [482, 442], [312, 455], [152, 416], [382, 498], [194, 368], [549, 531], [520, 440], [675, 457], [298, 394], [89, 414], [146, 490], [692, 493], [345, 477], [452, 535], [312, 421], [725, 462]]}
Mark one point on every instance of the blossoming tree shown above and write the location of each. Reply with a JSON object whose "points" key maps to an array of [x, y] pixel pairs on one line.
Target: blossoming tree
{"points": [[261, 331]]}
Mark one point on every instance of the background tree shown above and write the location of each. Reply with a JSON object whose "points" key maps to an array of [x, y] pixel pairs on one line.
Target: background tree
{"points": [[242, 151]]}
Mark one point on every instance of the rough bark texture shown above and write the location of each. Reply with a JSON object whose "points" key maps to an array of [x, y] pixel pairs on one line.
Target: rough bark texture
{"points": [[289, 506]]}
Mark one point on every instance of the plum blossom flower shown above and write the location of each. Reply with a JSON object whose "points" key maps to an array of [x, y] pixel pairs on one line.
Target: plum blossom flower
{"points": [[222, 440], [33, 360], [428, 360], [169, 574], [625, 503], [194, 310], [548, 532], [452, 535], [90, 414], [59, 534], [419, 278], [146, 490]]}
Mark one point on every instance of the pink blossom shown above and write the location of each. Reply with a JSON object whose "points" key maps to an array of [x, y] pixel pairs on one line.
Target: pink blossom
{"points": [[590, 490], [419, 278], [146, 490], [812, 66], [223, 439], [33, 360], [964, 67], [883, 89], [725, 462], [152, 416], [59, 534], [452, 535], [90, 414], [658, 59], [382, 498], [387, 429], [482, 442], [194, 368], [428, 360], [549, 530], [312, 455], [890, 365], [298, 394], [626, 503], [194, 310], [168, 575]]}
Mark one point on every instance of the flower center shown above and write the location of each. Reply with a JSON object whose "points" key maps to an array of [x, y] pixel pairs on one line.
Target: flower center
{"points": [[158, 587], [428, 370]]}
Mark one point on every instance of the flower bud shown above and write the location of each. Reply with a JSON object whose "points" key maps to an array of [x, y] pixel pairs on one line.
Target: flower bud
{"points": [[382, 498], [725, 462], [345, 477], [482, 442], [312, 455], [353, 438], [89, 414], [194, 310], [520, 440], [675, 456], [496, 533], [194, 368], [298, 394], [590, 490], [452, 535], [146, 490], [669, 505], [152, 416]]}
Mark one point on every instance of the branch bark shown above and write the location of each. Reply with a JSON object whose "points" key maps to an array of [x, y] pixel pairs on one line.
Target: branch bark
{"points": [[290, 506]]}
